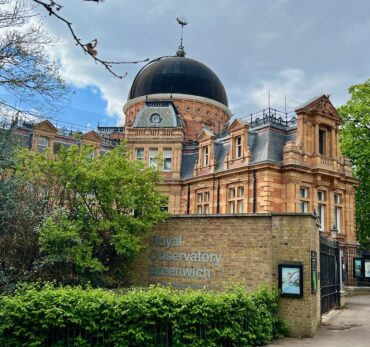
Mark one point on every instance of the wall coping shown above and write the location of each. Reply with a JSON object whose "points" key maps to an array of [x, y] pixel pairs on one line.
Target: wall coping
{"points": [[241, 215]]}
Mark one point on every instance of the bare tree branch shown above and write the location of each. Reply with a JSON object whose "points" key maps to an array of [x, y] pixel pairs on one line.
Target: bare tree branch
{"points": [[89, 48]]}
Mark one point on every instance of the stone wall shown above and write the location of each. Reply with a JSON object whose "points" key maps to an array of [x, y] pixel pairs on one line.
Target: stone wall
{"points": [[218, 250]]}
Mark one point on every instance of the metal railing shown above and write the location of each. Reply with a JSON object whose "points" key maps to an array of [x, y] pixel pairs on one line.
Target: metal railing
{"points": [[271, 116]]}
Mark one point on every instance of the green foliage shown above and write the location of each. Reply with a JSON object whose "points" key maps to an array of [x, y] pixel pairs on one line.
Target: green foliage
{"points": [[27, 72], [355, 144], [151, 317], [20, 213], [99, 209]]}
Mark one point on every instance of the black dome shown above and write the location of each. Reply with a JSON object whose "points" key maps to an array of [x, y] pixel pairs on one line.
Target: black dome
{"points": [[178, 75]]}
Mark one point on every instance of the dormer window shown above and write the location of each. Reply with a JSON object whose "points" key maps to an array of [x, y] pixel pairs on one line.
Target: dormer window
{"points": [[238, 147], [205, 155]]}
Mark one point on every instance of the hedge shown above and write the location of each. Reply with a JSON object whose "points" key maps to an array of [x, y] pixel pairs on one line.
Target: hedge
{"points": [[157, 316]]}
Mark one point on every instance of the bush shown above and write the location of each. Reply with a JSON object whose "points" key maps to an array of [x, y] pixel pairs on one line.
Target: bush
{"points": [[158, 316]]}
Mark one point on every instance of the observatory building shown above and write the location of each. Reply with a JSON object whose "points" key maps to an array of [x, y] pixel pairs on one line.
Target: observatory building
{"points": [[269, 162]]}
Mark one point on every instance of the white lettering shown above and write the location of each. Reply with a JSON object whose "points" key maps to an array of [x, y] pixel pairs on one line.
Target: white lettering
{"points": [[180, 272], [166, 241]]}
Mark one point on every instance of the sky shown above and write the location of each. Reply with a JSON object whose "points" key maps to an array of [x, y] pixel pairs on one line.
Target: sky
{"points": [[297, 49]]}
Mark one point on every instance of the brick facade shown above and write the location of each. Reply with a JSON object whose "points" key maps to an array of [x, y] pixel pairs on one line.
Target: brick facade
{"points": [[264, 166], [227, 249]]}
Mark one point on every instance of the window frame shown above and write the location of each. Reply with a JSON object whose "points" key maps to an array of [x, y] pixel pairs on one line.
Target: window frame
{"points": [[153, 160], [136, 153], [41, 148], [235, 198], [167, 158], [304, 199], [203, 201], [238, 147], [321, 207], [205, 155]]}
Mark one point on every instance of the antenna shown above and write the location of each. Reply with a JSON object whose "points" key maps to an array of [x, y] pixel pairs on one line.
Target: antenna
{"points": [[285, 103], [182, 21], [269, 97]]}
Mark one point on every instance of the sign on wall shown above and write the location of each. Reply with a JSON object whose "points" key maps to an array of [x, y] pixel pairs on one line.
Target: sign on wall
{"points": [[291, 280], [314, 278], [358, 267], [168, 260]]}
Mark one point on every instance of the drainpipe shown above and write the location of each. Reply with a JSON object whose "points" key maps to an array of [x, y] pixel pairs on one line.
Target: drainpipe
{"points": [[254, 192], [188, 202], [218, 196]]}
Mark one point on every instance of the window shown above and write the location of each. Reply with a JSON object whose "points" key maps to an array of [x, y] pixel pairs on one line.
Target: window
{"points": [[167, 159], [321, 209], [337, 199], [337, 211], [238, 147], [322, 142], [42, 144], [303, 192], [236, 199], [203, 202], [153, 154], [239, 200], [205, 155], [59, 145], [91, 155], [139, 155]]}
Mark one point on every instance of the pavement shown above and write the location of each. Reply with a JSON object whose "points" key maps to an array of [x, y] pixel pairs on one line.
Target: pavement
{"points": [[347, 327]]}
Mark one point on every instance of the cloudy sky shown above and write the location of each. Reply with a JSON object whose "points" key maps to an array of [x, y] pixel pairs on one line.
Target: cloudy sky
{"points": [[295, 48]]}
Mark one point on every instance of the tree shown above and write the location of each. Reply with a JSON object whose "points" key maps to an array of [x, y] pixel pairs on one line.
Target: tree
{"points": [[100, 208], [21, 212], [26, 71], [90, 48], [355, 143]]}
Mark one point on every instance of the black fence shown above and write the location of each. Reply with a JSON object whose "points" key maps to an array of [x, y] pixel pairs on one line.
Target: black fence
{"points": [[162, 334], [329, 274], [349, 254]]}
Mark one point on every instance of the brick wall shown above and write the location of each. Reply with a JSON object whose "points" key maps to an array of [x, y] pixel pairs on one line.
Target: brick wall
{"points": [[218, 250]]}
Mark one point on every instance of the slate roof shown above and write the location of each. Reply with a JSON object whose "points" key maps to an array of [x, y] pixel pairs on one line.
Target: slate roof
{"points": [[221, 150], [266, 146], [168, 117], [188, 164]]}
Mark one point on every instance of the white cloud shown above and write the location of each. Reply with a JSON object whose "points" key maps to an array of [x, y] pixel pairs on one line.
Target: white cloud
{"points": [[254, 46]]}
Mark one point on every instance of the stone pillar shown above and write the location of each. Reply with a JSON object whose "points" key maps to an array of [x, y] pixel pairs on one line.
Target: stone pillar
{"points": [[333, 144], [316, 139]]}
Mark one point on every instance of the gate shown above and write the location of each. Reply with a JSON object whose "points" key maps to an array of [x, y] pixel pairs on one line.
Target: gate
{"points": [[329, 274]]}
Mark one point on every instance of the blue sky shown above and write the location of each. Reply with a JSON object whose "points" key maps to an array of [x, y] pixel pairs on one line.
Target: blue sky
{"points": [[88, 108], [298, 49]]}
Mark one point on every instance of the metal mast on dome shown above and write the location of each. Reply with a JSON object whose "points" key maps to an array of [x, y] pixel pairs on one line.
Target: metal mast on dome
{"points": [[182, 21]]}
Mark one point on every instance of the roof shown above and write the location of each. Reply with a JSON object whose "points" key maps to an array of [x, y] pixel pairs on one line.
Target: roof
{"points": [[266, 146], [178, 75], [163, 116]]}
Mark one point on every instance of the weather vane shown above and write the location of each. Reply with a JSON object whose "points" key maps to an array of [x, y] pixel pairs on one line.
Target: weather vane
{"points": [[182, 21]]}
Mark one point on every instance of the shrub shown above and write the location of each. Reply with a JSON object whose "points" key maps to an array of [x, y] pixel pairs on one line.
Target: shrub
{"points": [[157, 316]]}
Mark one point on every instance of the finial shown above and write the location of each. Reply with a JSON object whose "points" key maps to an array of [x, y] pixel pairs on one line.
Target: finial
{"points": [[182, 21]]}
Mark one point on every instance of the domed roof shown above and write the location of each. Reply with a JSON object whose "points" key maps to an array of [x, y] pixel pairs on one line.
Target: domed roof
{"points": [[178, 75]]}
